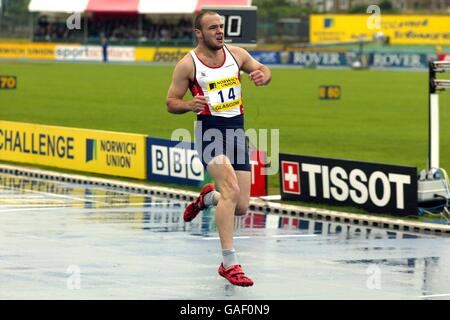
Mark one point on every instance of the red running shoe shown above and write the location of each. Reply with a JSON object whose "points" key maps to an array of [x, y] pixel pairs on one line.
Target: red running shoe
{"points": [[198, 205], [235, 275]]}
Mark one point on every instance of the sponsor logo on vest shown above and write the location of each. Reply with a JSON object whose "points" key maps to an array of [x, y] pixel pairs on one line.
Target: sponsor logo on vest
{"points": [[226, 106], [222, 84]]}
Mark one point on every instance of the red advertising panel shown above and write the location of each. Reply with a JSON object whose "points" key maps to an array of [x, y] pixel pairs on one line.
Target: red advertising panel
{"points": [[259, 177], [444, 57]]}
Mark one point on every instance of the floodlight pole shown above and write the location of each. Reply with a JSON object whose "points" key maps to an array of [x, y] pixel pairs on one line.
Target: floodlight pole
{"points": [[433, 120], [434, 85]]}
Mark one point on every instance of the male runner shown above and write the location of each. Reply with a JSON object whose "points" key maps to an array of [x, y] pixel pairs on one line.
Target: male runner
{"points": [[212, 73]]}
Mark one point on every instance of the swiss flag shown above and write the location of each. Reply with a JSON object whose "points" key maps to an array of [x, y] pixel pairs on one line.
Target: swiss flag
{"points": [[291, 177], [444, 57]]}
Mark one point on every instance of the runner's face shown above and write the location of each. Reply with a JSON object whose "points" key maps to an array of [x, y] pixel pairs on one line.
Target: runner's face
{"points": [[212, 32]]}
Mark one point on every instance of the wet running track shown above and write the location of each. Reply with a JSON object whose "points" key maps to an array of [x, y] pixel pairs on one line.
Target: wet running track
{"points": [[69, 241]]}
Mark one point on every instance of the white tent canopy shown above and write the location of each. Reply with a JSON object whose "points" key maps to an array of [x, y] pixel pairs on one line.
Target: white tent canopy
{"points": [[58, 5], [136, 6], [167, 6]]}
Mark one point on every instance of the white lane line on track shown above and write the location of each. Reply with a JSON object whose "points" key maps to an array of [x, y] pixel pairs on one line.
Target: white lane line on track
{"points": [[31, 205], [47, 194], [436, 295], [62, 205], [28, 196], [265, 237], [97, 187], [65, 196], [144, 204], [217, 238], [33, 209], [19, 208], [294, 235]]}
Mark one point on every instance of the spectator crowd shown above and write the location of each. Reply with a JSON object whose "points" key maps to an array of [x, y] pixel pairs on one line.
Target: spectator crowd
{"points": [[117, 28]]}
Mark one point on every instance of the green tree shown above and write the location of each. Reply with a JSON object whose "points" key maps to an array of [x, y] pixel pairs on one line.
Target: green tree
{"points": [[15, 7], [386, 5], [276, 9]]}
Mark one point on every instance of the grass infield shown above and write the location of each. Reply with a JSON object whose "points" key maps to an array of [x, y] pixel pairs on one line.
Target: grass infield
{"points": [[382, 116]]}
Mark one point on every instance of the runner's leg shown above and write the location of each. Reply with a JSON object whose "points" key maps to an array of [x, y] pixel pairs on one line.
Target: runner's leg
{"points": [[244, 182], [223, 174]]}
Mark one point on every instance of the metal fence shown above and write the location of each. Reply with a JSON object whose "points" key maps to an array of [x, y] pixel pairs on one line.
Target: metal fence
{"points": [[25, 26]]}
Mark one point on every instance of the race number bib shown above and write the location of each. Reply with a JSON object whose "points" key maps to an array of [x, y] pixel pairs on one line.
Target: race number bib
{"points": [[224, 94]]}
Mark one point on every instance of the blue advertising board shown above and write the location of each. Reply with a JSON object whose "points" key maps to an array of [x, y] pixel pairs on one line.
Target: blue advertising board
{"points": [[374, 187], [173, 162], [266, 57], [335, 59], [319, 59], [398, 60]]}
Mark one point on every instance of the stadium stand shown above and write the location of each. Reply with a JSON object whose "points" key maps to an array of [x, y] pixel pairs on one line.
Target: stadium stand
{"points": [[139, 21]]}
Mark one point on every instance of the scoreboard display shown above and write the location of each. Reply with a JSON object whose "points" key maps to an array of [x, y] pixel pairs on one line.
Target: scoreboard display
{"points": [[239, 24], [329, 92], [8, 82]]}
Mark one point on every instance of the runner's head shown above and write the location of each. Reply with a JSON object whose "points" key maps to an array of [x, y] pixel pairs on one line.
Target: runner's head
{"points": [[208, 29]]}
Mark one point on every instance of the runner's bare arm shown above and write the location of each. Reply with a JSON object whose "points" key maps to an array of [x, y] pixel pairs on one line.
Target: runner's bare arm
{"points": [[258, 73], [178, 88]]}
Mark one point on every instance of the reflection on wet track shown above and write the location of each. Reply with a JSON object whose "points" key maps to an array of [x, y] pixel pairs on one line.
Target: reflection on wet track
{"points": [[72, 241]]}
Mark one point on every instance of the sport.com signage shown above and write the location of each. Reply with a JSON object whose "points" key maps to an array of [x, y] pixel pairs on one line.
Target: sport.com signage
{"points": [[373, 187], [94, 53]]}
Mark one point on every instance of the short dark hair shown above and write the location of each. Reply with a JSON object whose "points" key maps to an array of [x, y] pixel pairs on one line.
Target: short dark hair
{"points": [[198, 19]]}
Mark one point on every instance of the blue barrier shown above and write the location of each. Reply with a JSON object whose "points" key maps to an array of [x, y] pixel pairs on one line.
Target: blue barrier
{"points": [[267, 57], [381, 60], [319, 59], [174, 162], [399, 60]]}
